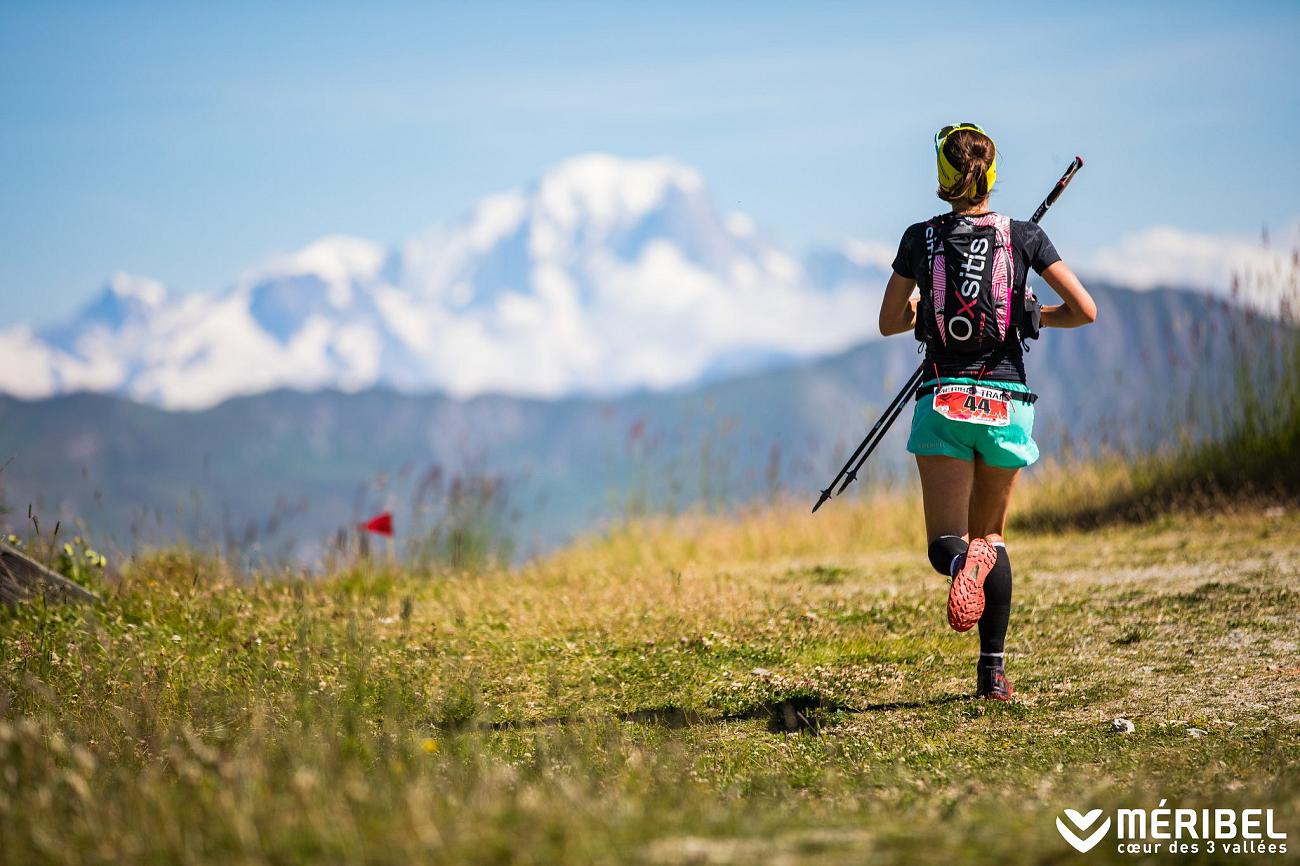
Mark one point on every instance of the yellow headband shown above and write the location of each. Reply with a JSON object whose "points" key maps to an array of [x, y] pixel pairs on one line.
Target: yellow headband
{"points": [[949, 176]]}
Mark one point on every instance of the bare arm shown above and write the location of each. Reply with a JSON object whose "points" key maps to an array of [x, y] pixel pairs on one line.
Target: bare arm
{"points": [[1077, 307], [898, 307]]}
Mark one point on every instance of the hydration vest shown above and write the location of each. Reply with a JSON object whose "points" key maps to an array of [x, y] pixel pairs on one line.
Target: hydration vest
{"points": [[971, 304]]}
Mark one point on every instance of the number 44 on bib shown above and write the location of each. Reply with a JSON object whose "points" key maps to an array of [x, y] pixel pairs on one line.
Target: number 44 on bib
{"points": [[974, 404]]}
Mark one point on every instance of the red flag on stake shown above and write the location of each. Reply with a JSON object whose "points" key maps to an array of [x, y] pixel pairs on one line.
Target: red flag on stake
{"points": [[380, 524]]}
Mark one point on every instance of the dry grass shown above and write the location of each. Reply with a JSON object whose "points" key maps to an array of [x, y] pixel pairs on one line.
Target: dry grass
{"points": [[199, 718]]}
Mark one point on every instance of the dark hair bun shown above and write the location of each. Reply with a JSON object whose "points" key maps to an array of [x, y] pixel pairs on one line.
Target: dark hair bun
{"points": [[971, 152]]}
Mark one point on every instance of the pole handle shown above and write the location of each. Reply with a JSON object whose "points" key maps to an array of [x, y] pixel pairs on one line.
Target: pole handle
{"points": [[1070, 172]]}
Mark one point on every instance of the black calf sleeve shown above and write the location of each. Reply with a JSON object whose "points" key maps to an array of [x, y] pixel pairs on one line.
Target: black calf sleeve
{"points": [[943, 550], [997, 609]]}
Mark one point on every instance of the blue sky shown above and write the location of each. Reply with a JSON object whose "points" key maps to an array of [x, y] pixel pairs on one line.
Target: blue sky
{"points": [[189, 141]]}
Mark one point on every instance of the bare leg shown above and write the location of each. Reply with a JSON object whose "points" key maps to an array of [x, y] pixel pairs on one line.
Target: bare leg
{"points": [[990, 500], [946, 484]]}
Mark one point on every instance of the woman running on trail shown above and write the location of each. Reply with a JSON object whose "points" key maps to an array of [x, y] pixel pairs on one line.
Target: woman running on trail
{"points": [[972, 431]]}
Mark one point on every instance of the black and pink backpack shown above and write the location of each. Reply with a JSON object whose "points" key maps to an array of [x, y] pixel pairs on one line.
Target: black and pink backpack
{"points": [[971, 304]]}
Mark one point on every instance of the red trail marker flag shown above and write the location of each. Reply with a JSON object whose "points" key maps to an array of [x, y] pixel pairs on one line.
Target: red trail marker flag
{"points": [[380, 524]]}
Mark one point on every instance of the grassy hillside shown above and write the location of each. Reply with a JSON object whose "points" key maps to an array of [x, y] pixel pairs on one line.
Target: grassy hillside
{"points": [[777, 688]]}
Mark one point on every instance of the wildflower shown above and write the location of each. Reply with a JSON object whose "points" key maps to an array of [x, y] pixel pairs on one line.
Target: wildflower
{"points": [[429, 745]]}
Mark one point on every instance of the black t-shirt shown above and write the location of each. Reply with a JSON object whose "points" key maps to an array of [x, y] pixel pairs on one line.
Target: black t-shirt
{"points": [[1030, 248]]}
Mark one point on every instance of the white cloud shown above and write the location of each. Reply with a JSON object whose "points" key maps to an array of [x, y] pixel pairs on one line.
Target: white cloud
{"points": [[1171, 257], [741, 225], [866, 253], [338, 260], [495, 218], [148, 293], [334, 258], [26, 368]]}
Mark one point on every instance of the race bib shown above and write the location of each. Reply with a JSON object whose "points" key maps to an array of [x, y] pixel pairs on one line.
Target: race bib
{"points": [[973, 404]]}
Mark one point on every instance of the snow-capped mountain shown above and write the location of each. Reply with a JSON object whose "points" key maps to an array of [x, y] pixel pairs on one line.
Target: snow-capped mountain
{"points": [[607, 275]]}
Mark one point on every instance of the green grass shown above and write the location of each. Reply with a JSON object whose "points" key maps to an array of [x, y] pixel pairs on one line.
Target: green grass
{"points": [[628, 701]]}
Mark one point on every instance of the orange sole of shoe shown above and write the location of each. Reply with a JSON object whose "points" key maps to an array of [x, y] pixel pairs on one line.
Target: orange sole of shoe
{"points": [[966, 595], [991, 696]]}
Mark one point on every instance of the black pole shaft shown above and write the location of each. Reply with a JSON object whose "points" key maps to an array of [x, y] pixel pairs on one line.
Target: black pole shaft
{"points": [[899, 400], [889, 418]]}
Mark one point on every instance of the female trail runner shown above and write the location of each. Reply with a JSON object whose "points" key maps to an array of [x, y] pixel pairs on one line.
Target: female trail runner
{"points": [[972, 431]]}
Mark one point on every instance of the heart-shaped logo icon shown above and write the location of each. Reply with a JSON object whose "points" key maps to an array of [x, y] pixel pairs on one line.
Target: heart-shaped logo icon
{"points": [[1082, 823]]}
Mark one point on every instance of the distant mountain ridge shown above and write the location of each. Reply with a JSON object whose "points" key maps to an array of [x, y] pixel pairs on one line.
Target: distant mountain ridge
{"points": [[1150, 370], [606, 276]]}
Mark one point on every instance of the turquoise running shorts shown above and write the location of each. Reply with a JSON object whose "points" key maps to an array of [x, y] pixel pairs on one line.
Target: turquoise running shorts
{"points": [[1009, 447]]}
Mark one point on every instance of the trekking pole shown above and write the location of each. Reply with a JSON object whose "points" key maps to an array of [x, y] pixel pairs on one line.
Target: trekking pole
{"points": [[850, 470], [906, 395], [885, 420], [1061, 184]]}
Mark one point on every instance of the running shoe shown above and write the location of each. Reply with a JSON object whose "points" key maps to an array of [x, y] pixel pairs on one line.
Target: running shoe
{"points": [[993, 683], [966, 594]]}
